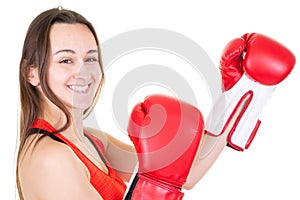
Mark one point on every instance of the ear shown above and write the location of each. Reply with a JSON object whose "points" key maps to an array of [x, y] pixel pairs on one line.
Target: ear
{"points": [[33, 76]]}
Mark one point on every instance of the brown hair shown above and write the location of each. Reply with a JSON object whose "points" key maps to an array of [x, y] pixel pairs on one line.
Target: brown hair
{"points": [[35, 53]]}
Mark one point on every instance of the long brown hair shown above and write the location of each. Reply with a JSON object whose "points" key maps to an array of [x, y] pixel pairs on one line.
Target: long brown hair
{"points": [[35, 53]]}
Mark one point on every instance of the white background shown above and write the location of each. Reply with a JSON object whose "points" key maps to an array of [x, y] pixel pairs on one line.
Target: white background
{"points": [[268, 170]]}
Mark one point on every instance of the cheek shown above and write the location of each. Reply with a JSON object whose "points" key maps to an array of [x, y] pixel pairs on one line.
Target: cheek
{"points": [[56, 79], [97, 75]]}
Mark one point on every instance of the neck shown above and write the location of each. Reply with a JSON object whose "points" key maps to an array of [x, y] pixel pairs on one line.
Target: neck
{"points": [[76, 128], [57, 119]]}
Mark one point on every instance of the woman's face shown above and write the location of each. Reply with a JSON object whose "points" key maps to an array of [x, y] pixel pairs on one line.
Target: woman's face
{"points": [[74, 69]]}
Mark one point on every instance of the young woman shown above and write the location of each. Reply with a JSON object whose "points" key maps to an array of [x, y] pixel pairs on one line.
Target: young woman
{"points": [[61, 76]]}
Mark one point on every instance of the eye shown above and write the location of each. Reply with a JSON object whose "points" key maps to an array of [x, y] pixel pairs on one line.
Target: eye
{"points": [[91, 59], [66, 61]]}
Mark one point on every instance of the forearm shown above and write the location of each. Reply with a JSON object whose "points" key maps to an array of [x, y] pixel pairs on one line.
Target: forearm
{"points": [[208, 152]]}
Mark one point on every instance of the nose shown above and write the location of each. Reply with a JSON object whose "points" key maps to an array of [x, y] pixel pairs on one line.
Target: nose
{"points": [[82, 71]]}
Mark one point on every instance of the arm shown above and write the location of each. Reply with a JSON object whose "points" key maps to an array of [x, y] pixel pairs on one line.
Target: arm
{"points": [[251, 67], [203, 162], [208, 152], [121, 156]]}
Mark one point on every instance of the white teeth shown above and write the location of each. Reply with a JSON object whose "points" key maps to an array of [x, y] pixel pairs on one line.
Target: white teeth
{"points": [[79, 88]]}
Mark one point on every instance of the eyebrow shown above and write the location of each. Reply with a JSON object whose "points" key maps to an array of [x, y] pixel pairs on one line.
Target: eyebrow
{"points": [[73, 52]]}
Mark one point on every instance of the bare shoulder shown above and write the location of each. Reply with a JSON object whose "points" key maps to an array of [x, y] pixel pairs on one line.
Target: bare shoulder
{"points": [[42, 151], [49, 167], [50, 155]]}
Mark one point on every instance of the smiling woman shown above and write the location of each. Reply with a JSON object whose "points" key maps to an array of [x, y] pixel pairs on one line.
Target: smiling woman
{"points": [[61, 75], [60, 80]]}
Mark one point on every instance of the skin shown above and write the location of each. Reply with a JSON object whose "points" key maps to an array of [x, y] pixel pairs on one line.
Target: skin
{"points": [[74, 75]]}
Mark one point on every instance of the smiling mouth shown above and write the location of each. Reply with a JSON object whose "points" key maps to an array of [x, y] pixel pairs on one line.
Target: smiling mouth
{"points": [[81, 89]]}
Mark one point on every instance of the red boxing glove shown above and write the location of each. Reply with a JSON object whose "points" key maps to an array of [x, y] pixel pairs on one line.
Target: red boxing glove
{"points": [[166, 133], [251, 67]]}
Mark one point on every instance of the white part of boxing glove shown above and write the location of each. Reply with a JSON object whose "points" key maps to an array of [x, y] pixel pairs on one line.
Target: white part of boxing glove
{"points": [[239, 108]]}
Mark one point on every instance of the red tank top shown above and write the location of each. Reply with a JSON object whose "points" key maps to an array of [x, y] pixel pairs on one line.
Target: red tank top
{"points": [[110, 186]]}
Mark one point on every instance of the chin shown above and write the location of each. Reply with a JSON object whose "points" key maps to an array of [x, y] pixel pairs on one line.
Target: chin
{"points": [[80, 105]]}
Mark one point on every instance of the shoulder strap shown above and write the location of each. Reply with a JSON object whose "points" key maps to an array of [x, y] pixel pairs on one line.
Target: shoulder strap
{"points": [[97, 143], [44, 132]]}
